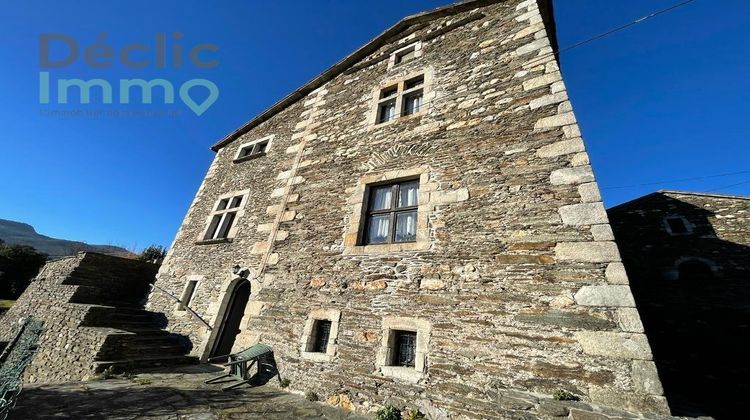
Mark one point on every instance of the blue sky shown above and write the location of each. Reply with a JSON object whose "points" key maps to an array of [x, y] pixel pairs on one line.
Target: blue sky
{"points": [[662, 101]]}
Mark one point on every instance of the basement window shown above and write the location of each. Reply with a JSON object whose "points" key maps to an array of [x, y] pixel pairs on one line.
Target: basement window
{"points": [[321, 336], [404, 348]]}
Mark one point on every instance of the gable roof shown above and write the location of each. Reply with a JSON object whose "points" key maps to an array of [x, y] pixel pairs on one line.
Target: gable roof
{"points": [[369, 48]]}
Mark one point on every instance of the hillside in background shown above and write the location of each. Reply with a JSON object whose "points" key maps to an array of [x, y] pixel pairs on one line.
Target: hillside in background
{"points": [[16, 233]]}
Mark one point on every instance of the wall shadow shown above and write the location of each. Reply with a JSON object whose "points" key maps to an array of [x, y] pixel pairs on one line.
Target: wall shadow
{"points": [[693, 294]]}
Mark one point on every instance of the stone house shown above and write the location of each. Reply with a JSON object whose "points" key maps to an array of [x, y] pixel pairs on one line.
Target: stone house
{"points": [[688, 258], [419, 224]]}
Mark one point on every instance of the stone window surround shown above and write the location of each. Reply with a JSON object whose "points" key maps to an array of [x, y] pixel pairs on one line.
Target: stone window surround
{"points": [[423, 328], [688, 225], [428, 95], [418, 52], [233, 230], [333, 315], [238, 159], [178, 308], [355, 229]]}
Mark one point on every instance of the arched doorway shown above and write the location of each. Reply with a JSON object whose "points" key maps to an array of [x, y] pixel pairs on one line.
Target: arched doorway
{"points": [[694, 271], [230, 322]]}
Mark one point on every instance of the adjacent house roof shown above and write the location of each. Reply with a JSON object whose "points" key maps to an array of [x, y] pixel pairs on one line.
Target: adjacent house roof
{"points": [[372, 46], [675, 192]]}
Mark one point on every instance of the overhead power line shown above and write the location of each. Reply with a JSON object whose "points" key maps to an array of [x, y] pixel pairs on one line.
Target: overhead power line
{"points": [[730, 186], [670, 181], [614, 30]]}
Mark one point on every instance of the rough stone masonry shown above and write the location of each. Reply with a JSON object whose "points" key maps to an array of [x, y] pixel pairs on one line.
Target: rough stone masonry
{"points": [[512, 280]]}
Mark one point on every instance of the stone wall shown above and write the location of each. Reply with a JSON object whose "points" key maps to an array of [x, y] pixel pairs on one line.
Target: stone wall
{"points": [[65, 295], [693, 291], [514, 282]]}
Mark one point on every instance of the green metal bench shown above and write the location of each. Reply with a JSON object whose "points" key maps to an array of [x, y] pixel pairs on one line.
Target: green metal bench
{"points": [[240, 363]]}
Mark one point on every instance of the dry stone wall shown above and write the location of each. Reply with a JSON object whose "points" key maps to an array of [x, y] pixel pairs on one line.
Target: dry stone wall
{"points": [[515, 281]]}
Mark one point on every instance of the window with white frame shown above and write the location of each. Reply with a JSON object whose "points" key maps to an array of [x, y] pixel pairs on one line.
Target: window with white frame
{"points": [[401, 99], [253, 149], [224, 217]]}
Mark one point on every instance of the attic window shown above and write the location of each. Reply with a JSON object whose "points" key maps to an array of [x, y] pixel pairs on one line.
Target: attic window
{"points": [[253, 149], [406, 54], [403, 56], [403, 98], [677, 225]]}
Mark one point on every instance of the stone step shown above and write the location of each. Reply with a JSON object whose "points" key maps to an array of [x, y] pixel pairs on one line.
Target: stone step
{"points": [[129, 365]]}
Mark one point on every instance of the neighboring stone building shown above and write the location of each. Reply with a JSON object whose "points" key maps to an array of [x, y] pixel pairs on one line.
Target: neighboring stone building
{"points": [[419, 225], [688, 258]]}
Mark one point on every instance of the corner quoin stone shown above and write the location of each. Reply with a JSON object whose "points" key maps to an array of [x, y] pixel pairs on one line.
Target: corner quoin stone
{"points": [[577, 175], [607, 295], [616, 273], [616, 345], [584, 214], [646, 377], [595, 252]]}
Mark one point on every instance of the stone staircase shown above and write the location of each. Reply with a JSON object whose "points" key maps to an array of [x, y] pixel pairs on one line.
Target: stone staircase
{"points": [[115, 294]]}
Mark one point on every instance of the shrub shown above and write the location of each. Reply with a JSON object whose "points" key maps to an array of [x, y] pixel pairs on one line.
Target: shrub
{"points": [[154, 253], [388, 412], [284, 382], [563, 395], [311, 396], [414, 414]]}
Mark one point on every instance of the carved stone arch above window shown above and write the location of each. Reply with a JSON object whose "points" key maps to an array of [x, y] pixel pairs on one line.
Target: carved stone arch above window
{"points": [[392, 154]]}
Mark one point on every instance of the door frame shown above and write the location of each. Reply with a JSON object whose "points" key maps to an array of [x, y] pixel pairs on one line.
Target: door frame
{"points": [[221, 315]]}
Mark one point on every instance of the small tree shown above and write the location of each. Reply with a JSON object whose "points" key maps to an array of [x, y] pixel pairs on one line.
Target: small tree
{"points": [[18, 266], [154, 254]]}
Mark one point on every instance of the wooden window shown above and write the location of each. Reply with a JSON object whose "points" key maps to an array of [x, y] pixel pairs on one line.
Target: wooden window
{"points": [[223, 218], [392, 213], [408, 95], [321, 335], [405, 348]]}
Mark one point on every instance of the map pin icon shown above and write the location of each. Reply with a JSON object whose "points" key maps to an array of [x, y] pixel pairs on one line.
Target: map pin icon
{"points": [[213, 95]]}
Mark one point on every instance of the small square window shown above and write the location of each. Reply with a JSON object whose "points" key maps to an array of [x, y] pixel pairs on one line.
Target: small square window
{"points": [[404, 348], [254, 149], [677, 225], [321, 335], [406, 55]]}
